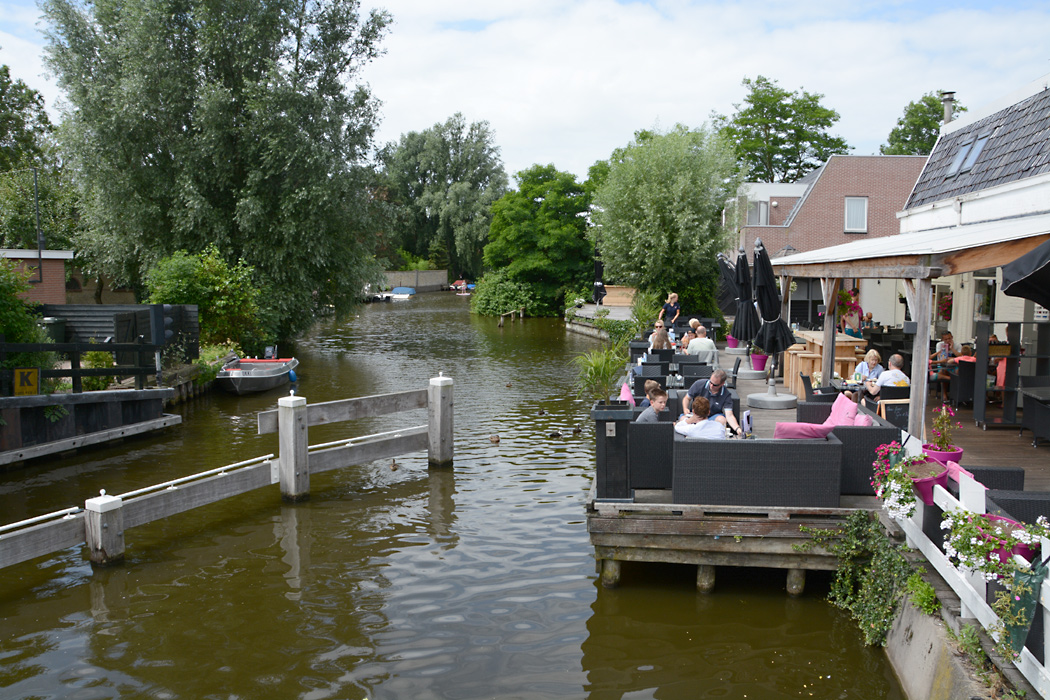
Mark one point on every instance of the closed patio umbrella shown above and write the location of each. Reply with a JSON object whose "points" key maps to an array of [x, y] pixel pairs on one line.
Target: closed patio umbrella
{"points": [[1028, 277], [746, 323], [774, 336]]}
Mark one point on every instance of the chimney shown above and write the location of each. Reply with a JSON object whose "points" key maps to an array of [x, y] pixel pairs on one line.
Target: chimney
{"points": [[948, 100]]}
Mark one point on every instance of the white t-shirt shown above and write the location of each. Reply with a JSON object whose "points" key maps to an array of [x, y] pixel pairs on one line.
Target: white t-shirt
{"points": [[892, 377], [699, 344], [705, 429]]}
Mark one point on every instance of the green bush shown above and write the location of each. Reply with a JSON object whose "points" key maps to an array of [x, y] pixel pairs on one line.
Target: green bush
{"points": [[496, 294], [96, 359], [923, 595], [18, 323], [210, 360], [227, 299]]}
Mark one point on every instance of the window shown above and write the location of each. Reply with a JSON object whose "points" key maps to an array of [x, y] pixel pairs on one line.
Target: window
{"points": [[758, 213], [856, 214], [967, 155]]}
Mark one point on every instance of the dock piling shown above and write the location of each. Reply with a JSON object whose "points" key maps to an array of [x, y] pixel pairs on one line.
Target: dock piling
{"points": [[104, 529], [705, 578], [439, 422], [293, 441]]}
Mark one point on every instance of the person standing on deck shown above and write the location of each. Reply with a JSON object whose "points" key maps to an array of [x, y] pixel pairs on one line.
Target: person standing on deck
{"points": [[672, 309]]}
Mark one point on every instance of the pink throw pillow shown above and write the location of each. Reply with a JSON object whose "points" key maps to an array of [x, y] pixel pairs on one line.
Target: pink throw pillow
{"points": [[800, 431], [625, 394], [863, 420], [843, 412], [954, 470]]}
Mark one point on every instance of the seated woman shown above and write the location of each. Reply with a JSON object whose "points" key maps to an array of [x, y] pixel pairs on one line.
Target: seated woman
{"points": [[868, 368], [699, 424], [659, 340]]}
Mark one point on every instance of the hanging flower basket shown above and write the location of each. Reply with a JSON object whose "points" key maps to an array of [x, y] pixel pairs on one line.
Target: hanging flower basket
{"points": [[897, 479]]}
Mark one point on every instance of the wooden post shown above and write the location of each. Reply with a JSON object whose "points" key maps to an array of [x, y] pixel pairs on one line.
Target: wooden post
{"points": [[439, 421], [610, 573], [918, 293], [705, 578], [796, 582], [293, 440], [829, 289], [104, 529]]}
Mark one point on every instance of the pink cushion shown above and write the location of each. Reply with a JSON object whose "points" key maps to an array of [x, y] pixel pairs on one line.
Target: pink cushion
{"points": [[800, 431], [863, 420], [625, 394], [954, 470], [843, 412]]}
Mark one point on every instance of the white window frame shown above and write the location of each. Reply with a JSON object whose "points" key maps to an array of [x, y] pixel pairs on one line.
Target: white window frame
{"points": [[846, 224], [762, 208]]}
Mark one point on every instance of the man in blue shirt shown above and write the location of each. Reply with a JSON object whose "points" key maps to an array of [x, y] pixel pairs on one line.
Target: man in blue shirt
{"points": [[719, 397]]}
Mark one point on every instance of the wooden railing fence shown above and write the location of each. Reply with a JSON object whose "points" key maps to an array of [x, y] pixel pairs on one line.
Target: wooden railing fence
{"points": [[144, 366], [102, 521], [971, 588]]}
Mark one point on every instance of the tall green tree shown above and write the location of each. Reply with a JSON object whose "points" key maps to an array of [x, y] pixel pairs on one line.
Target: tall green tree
{"points": [[659, 209], [780, 135], [24, 124], [229, 122], [539, 234], [443, 181], [917, 130]]}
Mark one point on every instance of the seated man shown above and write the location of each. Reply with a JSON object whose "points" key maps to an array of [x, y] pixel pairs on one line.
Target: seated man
{"points": [[894, 376], [718, 396], [657, 404], [698, 424], [703, 346], [965, 355]]}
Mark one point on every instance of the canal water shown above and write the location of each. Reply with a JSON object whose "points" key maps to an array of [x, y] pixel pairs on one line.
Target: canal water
{"points": [[477, 582]]}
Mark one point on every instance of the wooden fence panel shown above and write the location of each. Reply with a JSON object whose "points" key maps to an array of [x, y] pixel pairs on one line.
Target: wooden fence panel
{"points": [[38, 540], [171, 501], [411, 440], [351, 409]]}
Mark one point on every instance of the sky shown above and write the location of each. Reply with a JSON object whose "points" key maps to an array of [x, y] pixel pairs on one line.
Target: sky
{"points": [[568, 81]]}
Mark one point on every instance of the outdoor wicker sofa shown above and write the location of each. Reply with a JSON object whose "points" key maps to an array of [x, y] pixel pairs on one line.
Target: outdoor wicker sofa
{"points": [[859, 444], [786, 473]]}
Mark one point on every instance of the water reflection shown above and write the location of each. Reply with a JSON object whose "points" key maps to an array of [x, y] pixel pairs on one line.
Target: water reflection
{"points": [[465, 583]]}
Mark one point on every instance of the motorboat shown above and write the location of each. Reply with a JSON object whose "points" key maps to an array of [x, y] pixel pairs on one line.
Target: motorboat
{"points": [[248, 375], [402, 293]]}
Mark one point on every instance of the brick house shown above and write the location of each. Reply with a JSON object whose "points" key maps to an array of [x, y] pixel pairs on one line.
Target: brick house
{"points": [[846, 199], [51, 289]]}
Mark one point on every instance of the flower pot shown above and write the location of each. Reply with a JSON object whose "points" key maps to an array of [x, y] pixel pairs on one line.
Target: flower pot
{"points": [[924, 486], [758, 362], [731, 342], [954, 454], [1022, 550]]}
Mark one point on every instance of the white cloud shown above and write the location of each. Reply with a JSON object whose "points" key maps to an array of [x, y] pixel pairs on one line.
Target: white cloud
{"points": [[567, 81]]}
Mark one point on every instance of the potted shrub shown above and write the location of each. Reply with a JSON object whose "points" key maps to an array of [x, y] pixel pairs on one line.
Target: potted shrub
{"points": [[897, 478], [987, 544], [759, 357], [599, 373], [942, 449]]}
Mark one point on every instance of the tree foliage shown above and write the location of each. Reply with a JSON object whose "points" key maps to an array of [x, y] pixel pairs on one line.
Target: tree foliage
{"points": [[497, 294], [227, 299], [231, 122], [918, 128], [17, 320], [538, 234], [659, 209], [24, 124], [780, 135], [443, 181]]}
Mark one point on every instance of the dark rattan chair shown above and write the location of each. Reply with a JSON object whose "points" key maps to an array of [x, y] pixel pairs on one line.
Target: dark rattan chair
{"points": [[817, 395], [960, 385], [650, 448], [787, 473], [858, 444]]}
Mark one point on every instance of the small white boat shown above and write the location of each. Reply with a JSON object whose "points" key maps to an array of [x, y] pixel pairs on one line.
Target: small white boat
{"points": [[402, 293], [247, 376]]}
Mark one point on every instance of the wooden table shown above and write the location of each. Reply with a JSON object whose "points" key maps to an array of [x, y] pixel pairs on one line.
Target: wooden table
{"points": [[845, 357]]}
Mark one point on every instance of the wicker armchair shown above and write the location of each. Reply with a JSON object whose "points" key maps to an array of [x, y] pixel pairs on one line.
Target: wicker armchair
{"points": [[859, 444]]}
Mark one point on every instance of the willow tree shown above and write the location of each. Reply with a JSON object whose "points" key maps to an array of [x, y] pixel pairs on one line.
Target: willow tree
{"points": [[236, 123], [659, 209]]}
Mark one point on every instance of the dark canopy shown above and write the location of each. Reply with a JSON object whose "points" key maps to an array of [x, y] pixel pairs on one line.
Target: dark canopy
{"points": [[1028, 277], [774, 336], [746, 323]]}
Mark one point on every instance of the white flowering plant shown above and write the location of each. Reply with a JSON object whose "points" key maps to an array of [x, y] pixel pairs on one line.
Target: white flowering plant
{"points": [[973, 542], [893, 478]]}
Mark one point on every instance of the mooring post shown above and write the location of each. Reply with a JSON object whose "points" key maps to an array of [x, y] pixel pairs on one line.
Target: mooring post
{"points": [[796, 582], [610, 573], [292, 441], [104, 529], [439, 421], [705, 578]]}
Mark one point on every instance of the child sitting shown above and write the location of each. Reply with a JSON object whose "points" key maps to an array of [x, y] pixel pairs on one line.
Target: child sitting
{"points": [[658, 403]]}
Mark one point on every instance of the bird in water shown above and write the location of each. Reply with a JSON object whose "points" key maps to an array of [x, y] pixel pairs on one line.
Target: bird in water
{"points": [[394, 465], [508, 385], [576, 429], [494, 439], [555, 434], [542, 413]]}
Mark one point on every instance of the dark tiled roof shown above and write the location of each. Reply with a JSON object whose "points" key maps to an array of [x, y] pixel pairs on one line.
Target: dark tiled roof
{"points": [[1018, 148]]}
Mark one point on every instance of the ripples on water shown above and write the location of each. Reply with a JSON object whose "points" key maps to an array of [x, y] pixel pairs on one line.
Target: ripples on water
{"points": [[474, 583]]}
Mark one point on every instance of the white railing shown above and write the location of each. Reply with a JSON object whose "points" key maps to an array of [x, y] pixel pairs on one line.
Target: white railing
{"points": [[971, 588]]}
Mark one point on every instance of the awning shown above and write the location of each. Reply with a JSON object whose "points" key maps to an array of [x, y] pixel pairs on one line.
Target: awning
{"points": [[950, 250]]}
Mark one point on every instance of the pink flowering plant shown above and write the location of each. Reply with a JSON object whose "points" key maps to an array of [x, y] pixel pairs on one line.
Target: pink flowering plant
{"points": [[943, 424], [893, 475], [944, 307]]}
